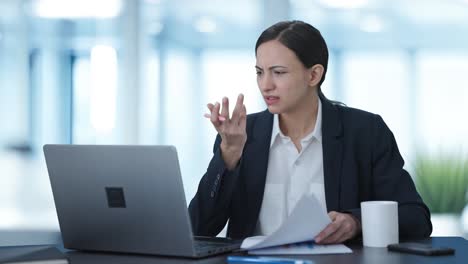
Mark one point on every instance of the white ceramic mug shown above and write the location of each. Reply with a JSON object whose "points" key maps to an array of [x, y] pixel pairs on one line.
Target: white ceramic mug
{"points": [[379, 221]]}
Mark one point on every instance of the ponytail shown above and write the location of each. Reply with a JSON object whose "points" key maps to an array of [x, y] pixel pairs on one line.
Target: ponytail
{"points": [[324, 98]]}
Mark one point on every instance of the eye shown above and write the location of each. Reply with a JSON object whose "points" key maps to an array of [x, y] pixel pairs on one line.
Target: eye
{"points": [[279, 72], [259, 73]]}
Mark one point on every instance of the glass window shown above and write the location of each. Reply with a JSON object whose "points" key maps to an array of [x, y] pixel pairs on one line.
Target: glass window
{"points": [[378, 83], [150, 97], [442, 95], [94, 97], [181, 122], [14, 95], [82, 129]]}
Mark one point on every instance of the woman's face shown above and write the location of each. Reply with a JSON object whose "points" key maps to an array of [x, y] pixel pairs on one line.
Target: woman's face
{"points": [[282, 79]]}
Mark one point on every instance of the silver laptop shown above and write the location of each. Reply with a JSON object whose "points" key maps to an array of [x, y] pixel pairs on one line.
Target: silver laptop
{"points": [[124, 199]]}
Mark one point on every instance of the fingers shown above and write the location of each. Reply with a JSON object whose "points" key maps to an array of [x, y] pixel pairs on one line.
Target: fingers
{"points": [[210, 107], [243, 118], [225, 110], [331, 228], [342, 228], [238, 109], [220, 118], [338, 237], [215, 115], [332, 215], [239, 112], [328, 231]]}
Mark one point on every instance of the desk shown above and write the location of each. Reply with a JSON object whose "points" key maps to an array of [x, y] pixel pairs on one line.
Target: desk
{"points": [[19, 237], [359, 255]]}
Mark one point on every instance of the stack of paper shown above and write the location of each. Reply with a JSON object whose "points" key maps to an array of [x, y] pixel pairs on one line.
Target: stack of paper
{"points": [[305, 222], [306, 248]]}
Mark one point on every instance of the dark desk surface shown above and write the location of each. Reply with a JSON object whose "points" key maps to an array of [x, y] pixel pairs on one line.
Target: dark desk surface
{"points": [[359, 255]]}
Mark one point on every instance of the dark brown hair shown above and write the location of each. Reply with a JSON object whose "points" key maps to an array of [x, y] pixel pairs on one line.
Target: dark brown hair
{"points": [[303, 39]]}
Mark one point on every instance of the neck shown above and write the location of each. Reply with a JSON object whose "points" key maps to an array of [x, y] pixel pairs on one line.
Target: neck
{"points": [[299, 123]]}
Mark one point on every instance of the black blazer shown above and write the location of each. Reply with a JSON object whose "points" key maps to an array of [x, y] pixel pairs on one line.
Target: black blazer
{"points": [[361, 162]]}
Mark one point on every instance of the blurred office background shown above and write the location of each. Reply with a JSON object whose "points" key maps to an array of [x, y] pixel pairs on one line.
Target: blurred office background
{"points": [[142, 71]]}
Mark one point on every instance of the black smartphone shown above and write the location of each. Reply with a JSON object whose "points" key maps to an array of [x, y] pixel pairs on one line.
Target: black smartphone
{"points": [[421, 249]]}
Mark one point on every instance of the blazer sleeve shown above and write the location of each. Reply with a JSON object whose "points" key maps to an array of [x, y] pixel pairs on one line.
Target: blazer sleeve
{"points": [[391, 182], [210, 208]]}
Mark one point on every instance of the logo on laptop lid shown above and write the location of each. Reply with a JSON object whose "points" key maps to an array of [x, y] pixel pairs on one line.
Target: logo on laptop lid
{"points": [[115, 197]]}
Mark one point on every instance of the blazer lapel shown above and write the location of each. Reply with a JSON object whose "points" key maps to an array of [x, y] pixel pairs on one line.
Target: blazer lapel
{"points": [[256, 163], [332, 145], [256, 154]]}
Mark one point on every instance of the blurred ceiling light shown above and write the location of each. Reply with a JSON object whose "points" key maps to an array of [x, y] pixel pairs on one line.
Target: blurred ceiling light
{"points": [[344, 3], [372, 24], [205, 25], [76, 8]]}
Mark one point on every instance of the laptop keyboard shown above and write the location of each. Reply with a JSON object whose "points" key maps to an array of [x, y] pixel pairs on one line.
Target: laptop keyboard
{"points": [[213, 246], [200, 244]]}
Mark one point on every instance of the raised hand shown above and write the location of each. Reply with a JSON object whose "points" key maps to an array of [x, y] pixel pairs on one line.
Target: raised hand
{"points": [[231, 129]]}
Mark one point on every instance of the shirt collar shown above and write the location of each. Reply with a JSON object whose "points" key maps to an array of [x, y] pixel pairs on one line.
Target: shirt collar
{"points": [[317, 133]]}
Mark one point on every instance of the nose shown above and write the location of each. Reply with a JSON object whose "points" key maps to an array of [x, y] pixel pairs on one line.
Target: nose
{"points": [[265, 82]]}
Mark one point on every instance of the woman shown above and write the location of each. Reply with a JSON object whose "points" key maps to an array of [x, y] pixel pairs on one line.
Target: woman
{"points": [[303, 144]]}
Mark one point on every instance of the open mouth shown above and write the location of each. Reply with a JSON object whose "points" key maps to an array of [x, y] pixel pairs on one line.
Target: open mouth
{"points": [[270, 100]]}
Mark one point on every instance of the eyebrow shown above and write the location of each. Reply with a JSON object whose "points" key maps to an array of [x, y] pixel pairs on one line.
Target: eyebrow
{"points": [[271, 68]]}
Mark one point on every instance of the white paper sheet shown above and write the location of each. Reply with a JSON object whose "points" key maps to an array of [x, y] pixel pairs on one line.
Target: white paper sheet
{"points": [[304, 223], [302, 249]]}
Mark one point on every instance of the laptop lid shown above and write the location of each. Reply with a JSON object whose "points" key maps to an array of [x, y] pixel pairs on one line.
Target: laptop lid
{"points": [[120, 198]]}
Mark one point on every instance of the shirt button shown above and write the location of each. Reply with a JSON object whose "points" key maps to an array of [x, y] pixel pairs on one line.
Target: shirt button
{"points": [[218, 176], [212, 194]]}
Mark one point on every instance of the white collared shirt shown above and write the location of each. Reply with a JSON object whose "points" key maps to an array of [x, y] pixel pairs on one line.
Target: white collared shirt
{"points": [[290, 175]]}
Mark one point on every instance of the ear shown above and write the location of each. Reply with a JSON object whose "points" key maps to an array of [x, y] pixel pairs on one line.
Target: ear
{"points": [[315, 74]]}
